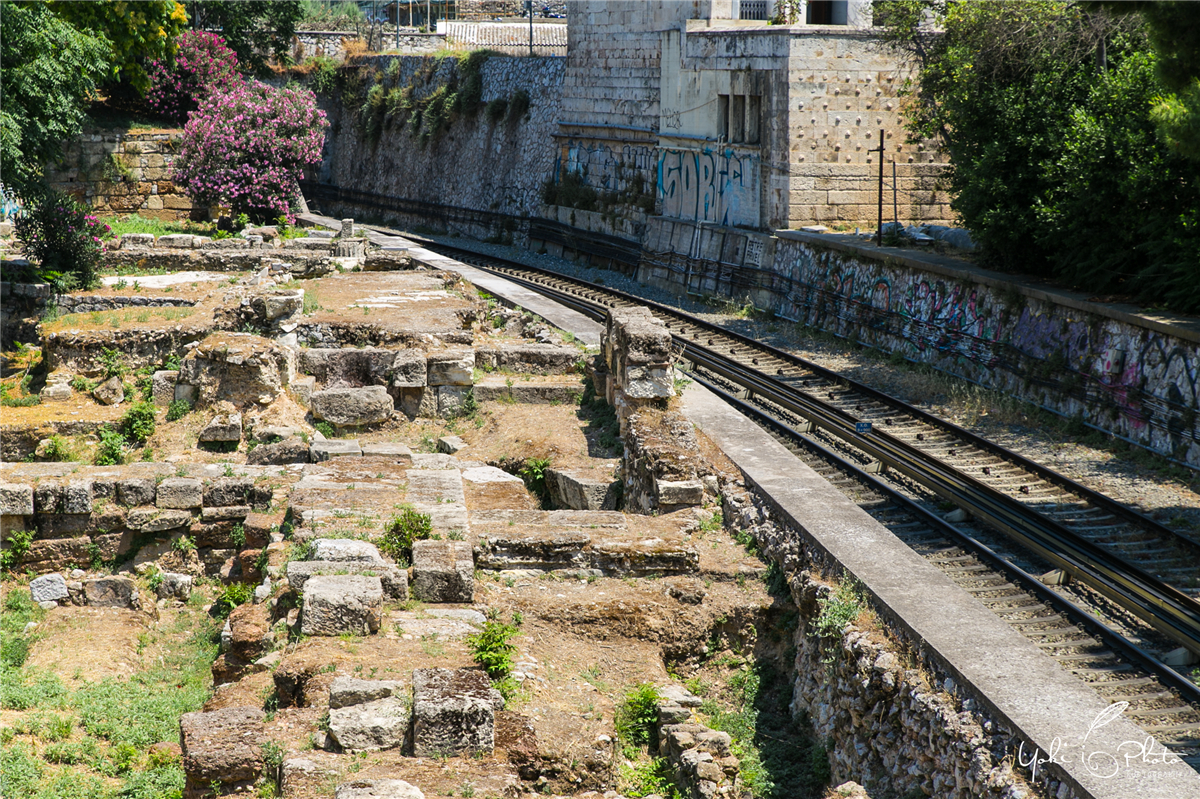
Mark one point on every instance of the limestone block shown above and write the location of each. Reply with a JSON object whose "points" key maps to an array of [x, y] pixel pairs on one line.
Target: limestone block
{"points": [[397, 453], [290, 450], [153, 520], [394, 580], [16, 499], [453, 712], [223, 746], [179, 492], [110, 392], [409, 369], [185, 392], [228, 491], [543, 359], [176, 240], [129, 240], [48, 588], [222, 428], [336, 604], [377, 789], [302, 390], [56, 392], [135, 491], [175, 586], [681, 492], [224, 513], [451, 400], [450, 367], [451, 445], [579, 491], [162, 387], [238, 368], [335, 448], [346, 691], [345, 549], [282, 303], [378, 724], [112, 592], [352, 407], [443, 571]]}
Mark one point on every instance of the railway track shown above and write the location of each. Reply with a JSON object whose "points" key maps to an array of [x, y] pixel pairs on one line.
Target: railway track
{"points": [[1013, 520]]}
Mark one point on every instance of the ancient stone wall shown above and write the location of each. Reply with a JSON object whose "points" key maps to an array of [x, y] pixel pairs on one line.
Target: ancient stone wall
{"points": [[475, 163], [894, 720], [123, 172]]}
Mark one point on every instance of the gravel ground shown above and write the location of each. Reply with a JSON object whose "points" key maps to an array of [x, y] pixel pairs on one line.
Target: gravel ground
{"points": [[1167, 492]]}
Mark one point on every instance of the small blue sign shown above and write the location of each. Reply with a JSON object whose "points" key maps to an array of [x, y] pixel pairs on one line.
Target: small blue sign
{"points": [[862, 428]]}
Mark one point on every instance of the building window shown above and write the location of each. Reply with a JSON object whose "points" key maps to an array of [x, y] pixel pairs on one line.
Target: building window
{"points": [[739, 118], [723, 116], [753, 118]]}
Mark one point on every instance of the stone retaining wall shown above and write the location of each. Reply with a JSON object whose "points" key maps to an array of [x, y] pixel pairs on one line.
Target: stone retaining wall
{"points": [[123, 172], [68, 303]]}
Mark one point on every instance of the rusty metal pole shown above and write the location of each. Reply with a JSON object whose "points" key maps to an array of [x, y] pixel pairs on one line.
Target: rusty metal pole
{"points": [[879, 229]]}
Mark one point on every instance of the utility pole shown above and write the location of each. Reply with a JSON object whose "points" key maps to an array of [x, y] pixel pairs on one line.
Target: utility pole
{"points": [[529, 4]]}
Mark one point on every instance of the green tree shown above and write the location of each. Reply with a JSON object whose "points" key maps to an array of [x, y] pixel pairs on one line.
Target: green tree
{"points": [[254, 29], [48, 71], [136, 32]]}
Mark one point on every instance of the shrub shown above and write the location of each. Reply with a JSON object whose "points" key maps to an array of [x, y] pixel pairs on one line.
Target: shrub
{"points": [[533, 472], [58, 449], [519, 105], [111, 363], [202, 64], [14, 651], [61, 235], [111, 451], [235, 594], [493, 649], [637, 715], [246, 146], [325, 429], [496, 109], [403, 529], [178, 409], [138, 422]]}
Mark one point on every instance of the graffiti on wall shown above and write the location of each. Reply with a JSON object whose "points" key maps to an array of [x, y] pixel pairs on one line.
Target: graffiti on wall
{"points": [[1131, 380], [709, 185], [605, 167]]}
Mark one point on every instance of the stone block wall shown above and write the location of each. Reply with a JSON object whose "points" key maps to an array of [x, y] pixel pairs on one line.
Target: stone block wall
{"points": [[124, 172], [475, 163]]}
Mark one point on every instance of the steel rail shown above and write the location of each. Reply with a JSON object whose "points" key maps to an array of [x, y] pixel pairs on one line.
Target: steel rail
{"points": [[1163, 607], [1030, 583]]}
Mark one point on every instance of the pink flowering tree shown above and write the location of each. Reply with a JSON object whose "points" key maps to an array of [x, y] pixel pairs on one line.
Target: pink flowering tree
{"points": [[247, 146], [202, 65]]}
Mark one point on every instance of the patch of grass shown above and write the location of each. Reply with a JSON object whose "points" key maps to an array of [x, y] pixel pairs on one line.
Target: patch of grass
{"points": [[325, 429], [179, 409], [636, 716], [838, 609], [648, 777], [111, 450], [138, 423], [135, 223], [235, 594]]}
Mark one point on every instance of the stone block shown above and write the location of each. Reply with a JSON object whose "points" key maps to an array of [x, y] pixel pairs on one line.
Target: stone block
{"points": [[184, 241], [377, 789], [578, 491], [394, 580], [16, 499], [110, 392], [680, 492], [290, 450], [135, 491], [409, 369], [48, 588], [353, 407], [453, 712], [334, 448], [302, 390], [180, 492], [185, 392], [228, 491], [129, 240], [222, 428], [396, 453], [450, 367], [153, 520], [337, 604], [443, 571], [56, 392], [543, 359], [345, 549], [224, 513], [175, 586], [451, 400], [77, 497], [112, 592], [347, 691], [450, 445], [223, 746], [162, 387], [378, 724]]}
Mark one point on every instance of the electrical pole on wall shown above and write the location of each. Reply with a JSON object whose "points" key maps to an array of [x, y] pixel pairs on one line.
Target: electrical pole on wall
{"points": [[529, 6]]}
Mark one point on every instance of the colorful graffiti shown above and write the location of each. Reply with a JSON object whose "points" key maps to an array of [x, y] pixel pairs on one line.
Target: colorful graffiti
{"points": [[604, 167], [709, 185], [1132, 380]]}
